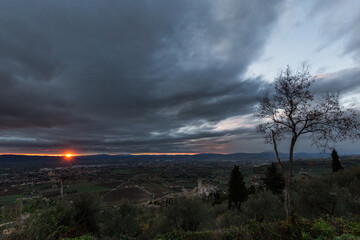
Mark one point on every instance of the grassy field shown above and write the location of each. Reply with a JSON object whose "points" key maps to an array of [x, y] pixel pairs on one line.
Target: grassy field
{"points": [[85, 187], [130, 193], [126, 171], [155, 188]]}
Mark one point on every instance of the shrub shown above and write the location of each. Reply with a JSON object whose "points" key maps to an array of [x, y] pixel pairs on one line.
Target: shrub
{"points": [[263, 206], [85, 237], [322, 230], [234, 233], [347, 237], [181, 235], [317, 197], [187, 215], [86, 211], [49, 224], [231, 218], [120, 222]]}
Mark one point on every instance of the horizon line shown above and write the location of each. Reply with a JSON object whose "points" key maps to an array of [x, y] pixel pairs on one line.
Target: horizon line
{"points": [[153, 154]]}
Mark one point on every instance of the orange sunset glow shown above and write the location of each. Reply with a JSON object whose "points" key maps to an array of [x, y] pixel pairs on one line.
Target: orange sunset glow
{"points": [[34, 154], [155, 154]]}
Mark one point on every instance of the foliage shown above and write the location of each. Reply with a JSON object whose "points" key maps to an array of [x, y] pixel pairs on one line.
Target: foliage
{"points": [[273, 180], [235, 233], [121, 221], [187, 215], [85, 237], [8, 214], [322, 230], [62, 219], [181, 235], [237, 189], [336, 165], [257, 207], [292, 228], [50, 224], [335, 195], [218, 197], [86, 211], [316, 198], [347, 237], [230, 218]]}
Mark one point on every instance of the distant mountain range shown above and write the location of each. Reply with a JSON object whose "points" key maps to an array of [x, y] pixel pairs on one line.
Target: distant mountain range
{"points": [[24, 161]]}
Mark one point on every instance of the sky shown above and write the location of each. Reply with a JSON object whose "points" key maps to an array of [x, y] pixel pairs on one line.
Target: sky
{"points": [[163, 76]]}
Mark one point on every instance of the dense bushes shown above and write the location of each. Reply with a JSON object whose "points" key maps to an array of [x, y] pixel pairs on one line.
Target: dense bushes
{"points": [[83, 216], [294, 228], [86, 211], [187, 215], [61, 219], [121, 222], [334, 195], [49, 224], [263, 206]]}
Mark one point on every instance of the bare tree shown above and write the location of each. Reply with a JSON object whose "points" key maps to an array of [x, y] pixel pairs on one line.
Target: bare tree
{"points": [[292, 110]]}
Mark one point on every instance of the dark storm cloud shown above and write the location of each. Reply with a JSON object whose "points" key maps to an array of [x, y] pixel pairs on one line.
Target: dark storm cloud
{"points": [[346, 82], [180, 142], [107, 76]]}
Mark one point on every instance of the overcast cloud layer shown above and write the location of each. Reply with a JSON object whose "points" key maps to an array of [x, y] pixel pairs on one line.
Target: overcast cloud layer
{"points": [[137, 76]]}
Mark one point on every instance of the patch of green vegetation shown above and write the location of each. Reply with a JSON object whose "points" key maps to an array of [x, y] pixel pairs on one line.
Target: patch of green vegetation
{"points": [[9, 199], [84, 187], [155, 187], [43, 186], [85, 237], [124, 171]]}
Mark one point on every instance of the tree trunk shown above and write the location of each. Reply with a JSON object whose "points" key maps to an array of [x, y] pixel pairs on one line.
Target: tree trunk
{"points": [[288, 180], [287, 189], [287, 197], [277, 156]]}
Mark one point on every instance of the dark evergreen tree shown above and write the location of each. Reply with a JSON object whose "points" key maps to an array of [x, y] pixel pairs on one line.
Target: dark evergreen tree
{"points": [[218, 197], [336, 165], [273, 179], [251, 190], [237, 189]]}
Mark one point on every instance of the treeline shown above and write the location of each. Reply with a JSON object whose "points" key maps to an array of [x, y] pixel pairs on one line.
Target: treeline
{"points": [[325, 207]]}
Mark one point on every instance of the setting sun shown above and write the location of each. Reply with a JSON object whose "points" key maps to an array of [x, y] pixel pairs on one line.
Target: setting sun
{"points": [[68, 155]]}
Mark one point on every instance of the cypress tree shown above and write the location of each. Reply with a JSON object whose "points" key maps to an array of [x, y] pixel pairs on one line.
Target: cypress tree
{"points": [[273, 180], [237, 189], [336, 165]]}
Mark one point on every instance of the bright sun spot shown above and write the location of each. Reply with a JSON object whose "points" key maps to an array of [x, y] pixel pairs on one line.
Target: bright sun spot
{"points": [[68, 155]]}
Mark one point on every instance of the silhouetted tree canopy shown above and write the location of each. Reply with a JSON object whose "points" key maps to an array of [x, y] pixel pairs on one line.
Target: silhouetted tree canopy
{"points": [[237, 189], [292, 110]]}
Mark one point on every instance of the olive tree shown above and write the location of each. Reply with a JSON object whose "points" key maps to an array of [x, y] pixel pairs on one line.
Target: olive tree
{"points": [[292, 109]]}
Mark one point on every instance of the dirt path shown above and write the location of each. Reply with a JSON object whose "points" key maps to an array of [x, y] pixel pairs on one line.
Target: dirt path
{"points": [[118, 186], [144, 190], [137, 186]]}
